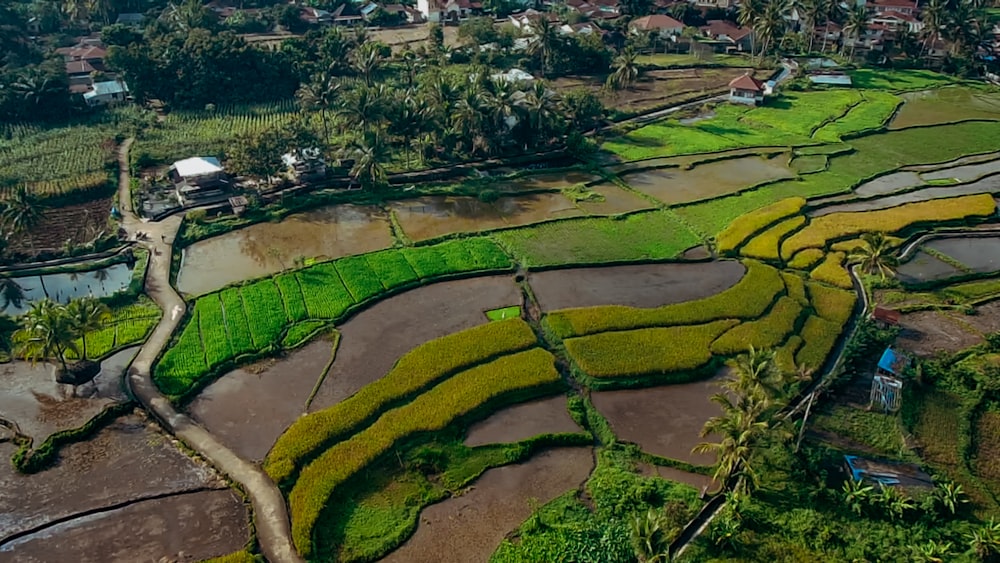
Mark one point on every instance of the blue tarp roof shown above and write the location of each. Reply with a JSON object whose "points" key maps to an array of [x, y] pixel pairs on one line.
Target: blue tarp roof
{"points": [[893, 362]]}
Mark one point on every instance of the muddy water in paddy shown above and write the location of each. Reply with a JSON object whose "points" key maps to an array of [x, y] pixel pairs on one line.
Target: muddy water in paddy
{"points": [[188, 527], [986, 185], [712, 179], [545, 181], [924, 267], [63, 288], [266, 248], [963, 161], [520, 422], [648, 285], [375, 338], [248, 408], [664, 420], [979, 254], [468, 528], [890, 183], [965, 173], [433, 216], [128, 460], [616, 200]]}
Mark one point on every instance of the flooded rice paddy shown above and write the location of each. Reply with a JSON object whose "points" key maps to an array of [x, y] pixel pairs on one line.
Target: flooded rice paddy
{"points": [[64, 287], [945, 105], [712, 179], [266, 248], [986, 185], [944, 258], [966, 173], [469, 527], [520, 422]]}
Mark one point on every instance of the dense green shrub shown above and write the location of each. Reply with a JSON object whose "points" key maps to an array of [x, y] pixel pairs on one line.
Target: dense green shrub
{"points": [[748, 299], [425, 365], [524, 374], [767, 332]]}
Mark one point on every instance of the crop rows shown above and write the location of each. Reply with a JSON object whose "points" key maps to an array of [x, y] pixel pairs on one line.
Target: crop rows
{"points": [[646, 351], [832, 271], [750, 223], [871, 113], [819, 336], [57, 161], [423, 366], [530, 372], [764, 333], [765, 245], [748, 299], [251, 318], [828, 228], [832, 304]]}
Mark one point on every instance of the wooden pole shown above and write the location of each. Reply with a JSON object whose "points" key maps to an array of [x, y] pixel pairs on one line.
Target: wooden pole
{"points": [[805, 418]]}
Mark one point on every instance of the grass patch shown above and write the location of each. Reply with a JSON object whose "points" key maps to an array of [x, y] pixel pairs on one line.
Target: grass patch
{"points": [[880, 432], [512, 312]]}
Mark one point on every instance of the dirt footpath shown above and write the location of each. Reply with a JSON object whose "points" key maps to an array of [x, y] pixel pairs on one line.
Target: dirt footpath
{"points": [[647, 285]]}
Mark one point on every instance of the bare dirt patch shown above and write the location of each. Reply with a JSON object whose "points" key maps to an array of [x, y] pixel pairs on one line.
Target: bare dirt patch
{"points": [[657, 88], [712, 179], [267, 248], [129, 459], [520, 422], [925, 333], [78, 223], [187, 527], [247, 411], [31, 398], [375, 338], [647, 285], [663, 421], [468, 528]]}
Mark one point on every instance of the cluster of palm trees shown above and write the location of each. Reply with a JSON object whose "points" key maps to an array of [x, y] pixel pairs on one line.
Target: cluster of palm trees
{"points": [[438, 114], [752, 396], [20, 212], [49, 330]]}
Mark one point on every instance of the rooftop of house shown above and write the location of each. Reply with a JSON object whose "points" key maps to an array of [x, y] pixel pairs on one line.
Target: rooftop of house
{"points": [[109, 87], [893, 362], [655, 22], [887, 473], [716, 28], [79, 67], [197, 166], [896, 3], [747, 82]]}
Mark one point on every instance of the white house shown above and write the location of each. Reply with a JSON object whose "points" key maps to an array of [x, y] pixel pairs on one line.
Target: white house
{"points": [[747, 90], [198, 177], [440, 11], [106, 93], [665, 25]]}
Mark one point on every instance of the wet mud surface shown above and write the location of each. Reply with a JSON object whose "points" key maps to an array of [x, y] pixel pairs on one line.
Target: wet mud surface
{"points": [[712, 179], [924, 267], [520, 422], [663, 421], [986, 185], [248, 408], [375, 338], [965, 173], [647, 285], [979, 254], [468, 528], [267, 248], [616, 200], [927, 333]]}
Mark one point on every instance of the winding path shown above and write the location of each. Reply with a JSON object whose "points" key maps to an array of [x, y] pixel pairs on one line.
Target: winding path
{"points": [[270, 514]]}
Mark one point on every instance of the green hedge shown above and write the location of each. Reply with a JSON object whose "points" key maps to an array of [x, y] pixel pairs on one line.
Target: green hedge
{"points": [[819, 336], [767, 332], [423, 366], [647, 351], [27, 460], [755, 221], [529, 373], [832, 304], [748, 299], [252, 318]]}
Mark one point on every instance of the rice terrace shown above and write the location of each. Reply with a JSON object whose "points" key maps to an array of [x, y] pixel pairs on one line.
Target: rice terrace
{"points": [[283, 283]]}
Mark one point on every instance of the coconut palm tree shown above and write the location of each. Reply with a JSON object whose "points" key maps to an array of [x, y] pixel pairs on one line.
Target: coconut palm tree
{"points": [[369, 154], [750, 11], [833, 12], [11, 292], [740, 431], [320, 94], [755, 373], [36, 87], [468, 116], [367, 61], [815, 12], [857, 22], [408, 117], [87, 314], [545, 43], [770, 24], [624, 71], [933, 14], [364, 107], [46, 331], [874, 255], [22, 212], [540, 109]]}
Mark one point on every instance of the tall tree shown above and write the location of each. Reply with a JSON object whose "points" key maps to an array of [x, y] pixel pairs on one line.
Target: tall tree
{"points": [[369, 154], [874, 255], [544, 43], [750, 12], [624, 71], [87, 314], [815, 12], [364, 107], [46, 331], [367, 61], [855, 26], [770, 24], [934, 15], [320, 94], [408, 119], [22, 212]]}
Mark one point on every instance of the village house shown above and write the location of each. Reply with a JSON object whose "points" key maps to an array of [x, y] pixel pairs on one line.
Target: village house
{"points": [[706, 4], [664, 25], [198, 178], [908, 7], [898, 21], [305, 165], [106, 93], [448, 11], [734, 38], [131, 20], [526, 20], [747, 90]]}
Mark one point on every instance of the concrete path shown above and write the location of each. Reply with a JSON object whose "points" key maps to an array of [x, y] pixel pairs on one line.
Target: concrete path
{"points": [[270, 514]]}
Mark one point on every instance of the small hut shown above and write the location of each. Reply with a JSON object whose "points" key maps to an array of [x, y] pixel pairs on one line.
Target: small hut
{"points": [[887, 385], [885, 318], [747, 90]]}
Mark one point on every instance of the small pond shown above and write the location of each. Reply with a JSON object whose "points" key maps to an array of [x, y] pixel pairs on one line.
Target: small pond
{"points": [[944, 258], [65, 287]]}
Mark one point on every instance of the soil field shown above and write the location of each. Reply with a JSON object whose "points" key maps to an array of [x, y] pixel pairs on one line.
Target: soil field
{"points": [[945, 105], [663, 421], [986, 185], [657, 87], [520, 422], [375, 338], [433, 216], [266, 248], [925, 333], [79, 223], [468, 528], [247, 409], [709, 180], [647, 285], [129, 460], [987, 318], [184, 527]]}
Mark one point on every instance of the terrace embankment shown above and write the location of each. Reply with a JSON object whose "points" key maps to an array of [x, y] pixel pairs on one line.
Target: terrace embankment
{"points": [[646, 285], [520, 422], [375, 338], [468, 528]]}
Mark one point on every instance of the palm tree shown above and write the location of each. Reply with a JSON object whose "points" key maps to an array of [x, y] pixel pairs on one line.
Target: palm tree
{"points": [[874, 255], [770, 24], [76, 10], [740, 431], [815, 11], [546, 41], [320, 94], [369, 154], [750, 11], [624, 71], [46, 331], [35, 87], [468, 115], [934, 15], [11, 292], [833, 11], [857, 22], [367, 61], [984, 543], [364, 107], [408, 118], [755, 373], [22, 212], [540, 108], [87, 314]]}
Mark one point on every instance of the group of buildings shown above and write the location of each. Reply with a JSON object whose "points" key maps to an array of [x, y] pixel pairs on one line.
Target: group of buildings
{"points": [[87, 74]]}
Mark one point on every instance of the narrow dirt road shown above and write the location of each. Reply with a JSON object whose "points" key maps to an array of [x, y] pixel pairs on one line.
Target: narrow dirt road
{"points": [[270, 514]]}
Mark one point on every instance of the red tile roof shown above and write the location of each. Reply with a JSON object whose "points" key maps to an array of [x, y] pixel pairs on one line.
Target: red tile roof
{"points": [[747, 82], [79, 67], [655, 22], [716, 28], [887, 316]]}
